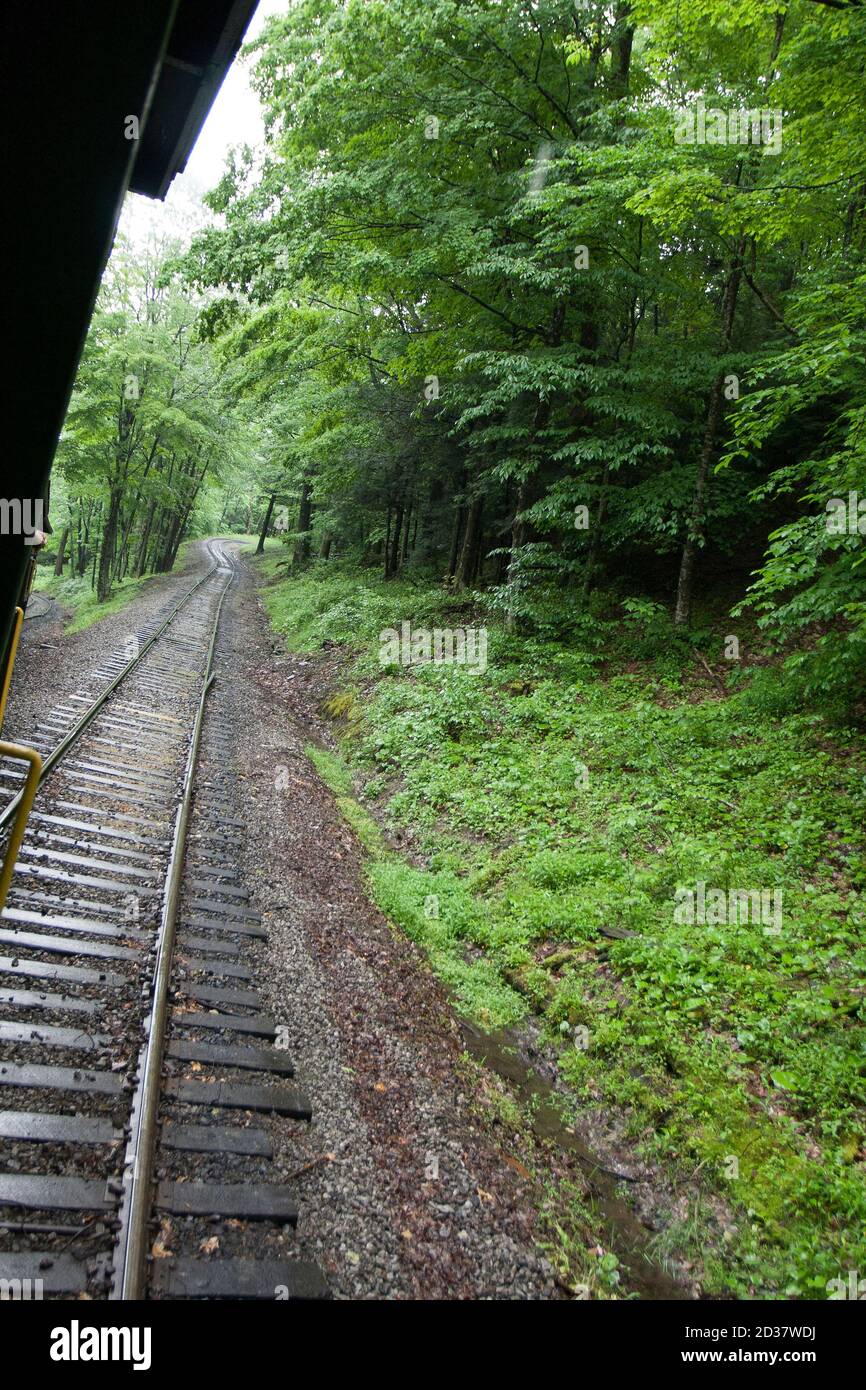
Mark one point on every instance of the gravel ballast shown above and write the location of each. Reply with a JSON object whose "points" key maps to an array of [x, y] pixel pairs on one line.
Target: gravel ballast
{"points": [[408, 1194]]}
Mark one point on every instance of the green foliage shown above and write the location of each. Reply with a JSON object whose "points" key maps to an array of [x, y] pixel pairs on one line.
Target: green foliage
{"points": [[148, 432], [812, 582], [78, 596], [488, 301], [719, 1038]]}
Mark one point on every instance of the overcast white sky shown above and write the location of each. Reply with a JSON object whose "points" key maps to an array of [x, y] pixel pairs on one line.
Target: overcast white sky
{"points": [[234, 119]]}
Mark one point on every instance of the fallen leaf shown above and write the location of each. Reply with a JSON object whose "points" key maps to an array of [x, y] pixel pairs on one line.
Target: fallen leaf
{"points": [[207, 1247], [159, 1249]]}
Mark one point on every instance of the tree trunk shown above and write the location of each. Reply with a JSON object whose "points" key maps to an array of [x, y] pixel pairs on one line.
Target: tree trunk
{"points": [[160, 544], [266, 524], [459, 516], [95, 547], [61, 551], [181, 520], [518, 531], [715, 413], [621, 62], [595, 538], [83, 555], [109, 541], [305, 521], [479, 554], [392, 562], [144, 539], [463, 575], [406, 530]]}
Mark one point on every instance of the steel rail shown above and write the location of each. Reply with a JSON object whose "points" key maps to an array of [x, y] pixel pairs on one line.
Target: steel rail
{"points": [[17, 623], [135, 1209], [30, 756], [72, 737]]}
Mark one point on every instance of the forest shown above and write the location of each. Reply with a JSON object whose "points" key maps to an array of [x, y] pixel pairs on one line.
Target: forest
{"points": [[548, 318], [498, 324], [150, 431]]}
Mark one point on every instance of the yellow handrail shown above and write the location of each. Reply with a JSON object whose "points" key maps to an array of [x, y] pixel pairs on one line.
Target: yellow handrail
{"points": [[13, 648], [31, 782], [34, 771]]}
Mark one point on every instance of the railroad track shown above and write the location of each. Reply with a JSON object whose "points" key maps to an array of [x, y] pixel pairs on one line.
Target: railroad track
{"points": [[140, 1082]]}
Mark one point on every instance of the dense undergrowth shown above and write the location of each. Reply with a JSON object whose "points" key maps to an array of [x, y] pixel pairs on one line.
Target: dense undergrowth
{"points": [[552, 807]]}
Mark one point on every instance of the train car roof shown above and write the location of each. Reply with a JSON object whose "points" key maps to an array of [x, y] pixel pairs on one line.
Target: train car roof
{"points": [[204, 39]]}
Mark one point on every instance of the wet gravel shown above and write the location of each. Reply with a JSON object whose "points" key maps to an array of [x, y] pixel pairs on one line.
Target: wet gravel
{"points": [[50, 663], [404, 1191]]}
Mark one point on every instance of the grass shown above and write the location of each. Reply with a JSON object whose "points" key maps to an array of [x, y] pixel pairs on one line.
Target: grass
{"points": [[567, 793], [76, 595]]}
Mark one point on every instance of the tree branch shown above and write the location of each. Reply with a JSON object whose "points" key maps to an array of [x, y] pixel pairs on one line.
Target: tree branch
{"points": [[769, 305]]}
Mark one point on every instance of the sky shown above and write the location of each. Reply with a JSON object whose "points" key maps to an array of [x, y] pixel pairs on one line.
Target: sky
{"points": [[234, 119]]}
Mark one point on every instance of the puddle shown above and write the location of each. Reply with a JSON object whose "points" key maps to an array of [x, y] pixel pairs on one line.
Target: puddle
{"points": [[626, 1236]]}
